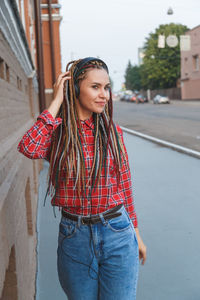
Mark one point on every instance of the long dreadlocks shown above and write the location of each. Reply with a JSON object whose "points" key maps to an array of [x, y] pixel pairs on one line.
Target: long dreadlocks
{"points": [[67, 148]]}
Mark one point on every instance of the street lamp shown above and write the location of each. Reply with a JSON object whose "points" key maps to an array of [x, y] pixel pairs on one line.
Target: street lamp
{"points": [[170, 11]]}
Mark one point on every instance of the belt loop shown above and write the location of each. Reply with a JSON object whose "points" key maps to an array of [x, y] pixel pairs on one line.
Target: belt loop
{"points": [[102, 219], [79, 221]]}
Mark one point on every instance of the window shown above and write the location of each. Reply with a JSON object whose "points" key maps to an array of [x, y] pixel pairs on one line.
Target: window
{"points": [[19, 83], [1, 68], [26, 89], [7, 73], [195, 59], [186, 66]]}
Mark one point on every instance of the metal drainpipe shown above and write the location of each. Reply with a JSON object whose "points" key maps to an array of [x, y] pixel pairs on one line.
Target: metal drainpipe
{"points": [[51, 44], [40, 62]]}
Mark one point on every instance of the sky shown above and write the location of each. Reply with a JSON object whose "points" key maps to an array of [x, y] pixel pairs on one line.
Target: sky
{"points": [[113, 30]]}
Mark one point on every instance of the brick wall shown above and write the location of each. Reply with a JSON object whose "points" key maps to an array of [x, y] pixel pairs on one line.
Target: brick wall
{"points": [[56, 19], [18, 179], [190, 67]]}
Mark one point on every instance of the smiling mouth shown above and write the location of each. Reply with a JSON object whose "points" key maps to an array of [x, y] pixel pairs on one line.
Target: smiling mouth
{"points": [[101, 103]]}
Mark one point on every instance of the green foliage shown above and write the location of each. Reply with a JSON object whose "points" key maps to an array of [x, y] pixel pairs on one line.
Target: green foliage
{"points": [[111, 83], [128, 76], [132, 77], [161, 66]]}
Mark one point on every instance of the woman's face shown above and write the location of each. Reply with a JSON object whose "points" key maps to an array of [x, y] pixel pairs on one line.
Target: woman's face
{"points": [[94, 93]]}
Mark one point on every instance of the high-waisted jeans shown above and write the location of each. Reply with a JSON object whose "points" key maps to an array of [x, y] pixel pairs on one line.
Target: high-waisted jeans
{"points": [[100, 261]]}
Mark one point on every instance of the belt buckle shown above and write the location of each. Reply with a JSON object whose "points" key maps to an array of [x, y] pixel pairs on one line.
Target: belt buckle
{"points": [[82, 221]]}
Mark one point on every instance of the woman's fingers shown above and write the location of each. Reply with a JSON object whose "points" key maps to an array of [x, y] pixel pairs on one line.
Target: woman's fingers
{"points": [[64, 79], [59, 84], [62, 76], [143, 254]]}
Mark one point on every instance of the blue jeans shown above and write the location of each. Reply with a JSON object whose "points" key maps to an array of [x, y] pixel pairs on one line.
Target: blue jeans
{"points": [[98, 261]]}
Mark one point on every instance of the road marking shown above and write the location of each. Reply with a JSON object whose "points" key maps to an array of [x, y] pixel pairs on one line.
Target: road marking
{"points": [[163, 143]]}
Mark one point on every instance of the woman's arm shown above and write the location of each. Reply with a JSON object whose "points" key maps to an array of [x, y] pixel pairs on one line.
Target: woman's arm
{"points": [[36, 142], [58, 92], [142, 247], [126, 185]]}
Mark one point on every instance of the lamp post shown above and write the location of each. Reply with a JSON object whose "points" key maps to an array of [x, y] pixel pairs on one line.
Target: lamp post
{"points": [[170, 11]]}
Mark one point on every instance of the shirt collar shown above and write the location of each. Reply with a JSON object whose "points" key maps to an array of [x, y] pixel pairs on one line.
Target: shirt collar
{"points": [[88, 123]]}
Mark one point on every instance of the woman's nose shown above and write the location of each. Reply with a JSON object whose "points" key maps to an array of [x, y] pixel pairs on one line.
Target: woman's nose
{"points": [[103, 93]]}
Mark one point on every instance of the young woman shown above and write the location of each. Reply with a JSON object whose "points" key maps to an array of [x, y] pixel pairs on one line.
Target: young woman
{"points": [[99, 245]]}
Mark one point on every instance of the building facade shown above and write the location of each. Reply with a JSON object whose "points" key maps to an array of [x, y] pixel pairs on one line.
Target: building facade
{"points": [[190, 67], [21, 103], [51, 45]]}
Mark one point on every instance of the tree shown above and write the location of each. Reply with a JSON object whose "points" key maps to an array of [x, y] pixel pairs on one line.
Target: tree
{"points": [[128, 76], [111, 83], [132, 77], [161, 66]]}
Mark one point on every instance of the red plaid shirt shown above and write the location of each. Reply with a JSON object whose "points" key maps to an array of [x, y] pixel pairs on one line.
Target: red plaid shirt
{"points": [[36, 143]]}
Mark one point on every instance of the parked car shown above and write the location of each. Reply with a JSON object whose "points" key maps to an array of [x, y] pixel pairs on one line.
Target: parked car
{"points": [[122, 97], [133, 98], [126, 96], [158, 99], [141, 99]]}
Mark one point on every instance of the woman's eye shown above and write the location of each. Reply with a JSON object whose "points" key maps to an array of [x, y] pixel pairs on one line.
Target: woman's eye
{"points": [[95, 86], [107, 88]]}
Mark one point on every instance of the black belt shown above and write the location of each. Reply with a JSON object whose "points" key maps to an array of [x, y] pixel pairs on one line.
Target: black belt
{"points": [[111, 213]]}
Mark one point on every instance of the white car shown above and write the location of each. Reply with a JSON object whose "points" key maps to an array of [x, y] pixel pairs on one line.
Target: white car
{"points": [[160, 99]]}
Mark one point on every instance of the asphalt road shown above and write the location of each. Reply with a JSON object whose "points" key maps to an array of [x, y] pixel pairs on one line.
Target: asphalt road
{"points": [[177, 122]]}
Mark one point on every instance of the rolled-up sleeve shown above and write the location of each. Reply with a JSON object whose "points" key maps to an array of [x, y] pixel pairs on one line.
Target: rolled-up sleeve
{"points": [[126, 185], [36, 142]]}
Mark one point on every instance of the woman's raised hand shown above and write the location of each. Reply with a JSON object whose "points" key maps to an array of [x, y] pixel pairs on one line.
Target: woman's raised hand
{"points": [[59, 85], [58, 93]]}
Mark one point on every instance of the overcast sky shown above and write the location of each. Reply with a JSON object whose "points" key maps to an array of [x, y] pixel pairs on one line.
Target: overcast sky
{"points": [[114, 29]]}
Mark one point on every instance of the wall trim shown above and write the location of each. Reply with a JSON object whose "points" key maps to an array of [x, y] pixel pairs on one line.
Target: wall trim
{"points": [[53, 5], [48, 91], [55, 17]]}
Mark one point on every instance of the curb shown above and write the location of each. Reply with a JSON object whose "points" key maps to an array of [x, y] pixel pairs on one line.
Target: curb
{"points": [[172, 146]]}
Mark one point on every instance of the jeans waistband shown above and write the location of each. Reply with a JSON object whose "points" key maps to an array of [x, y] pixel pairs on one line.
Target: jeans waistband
{"points": [[93, 219]]}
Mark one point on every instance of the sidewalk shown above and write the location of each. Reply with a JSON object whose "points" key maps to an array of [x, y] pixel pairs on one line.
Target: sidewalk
{"points": [[167, 193]]}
